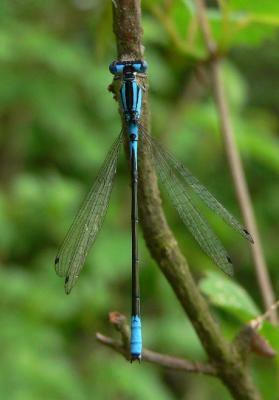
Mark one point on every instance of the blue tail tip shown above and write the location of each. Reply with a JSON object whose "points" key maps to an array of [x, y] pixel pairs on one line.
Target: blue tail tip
{"points": [[135, 357], [136, 339]]}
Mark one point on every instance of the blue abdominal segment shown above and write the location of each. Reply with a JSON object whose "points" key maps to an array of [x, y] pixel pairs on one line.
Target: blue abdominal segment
{"points": [[136, 339]]}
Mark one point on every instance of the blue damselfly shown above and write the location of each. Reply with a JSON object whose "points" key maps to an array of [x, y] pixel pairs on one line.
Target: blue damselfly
{"points": [[176, 178]]}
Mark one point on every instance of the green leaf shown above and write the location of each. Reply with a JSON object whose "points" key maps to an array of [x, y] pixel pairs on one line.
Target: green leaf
{"points": [[181, 15], [227, 294], [258, 6], [235, 85], [263, 148], [232, 28], [271, 333]]}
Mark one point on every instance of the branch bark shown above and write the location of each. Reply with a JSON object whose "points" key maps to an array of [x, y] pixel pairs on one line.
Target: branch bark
{"points": [[161, 241], [235, 164]]}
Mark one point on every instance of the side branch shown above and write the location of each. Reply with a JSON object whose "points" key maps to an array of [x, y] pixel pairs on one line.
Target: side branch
{"points": [[163, 360], [119, 322]]}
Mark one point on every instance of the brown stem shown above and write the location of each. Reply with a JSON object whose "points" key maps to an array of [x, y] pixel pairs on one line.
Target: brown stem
{"points": [[235, 163], [161, 241]]}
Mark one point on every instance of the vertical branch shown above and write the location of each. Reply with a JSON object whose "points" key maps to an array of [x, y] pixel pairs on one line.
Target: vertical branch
{"points": [[127, 29], [160, 239], [235, 163]]}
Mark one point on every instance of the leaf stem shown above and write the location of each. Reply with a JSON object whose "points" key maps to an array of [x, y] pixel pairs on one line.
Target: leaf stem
{"points": [[235, 163]]}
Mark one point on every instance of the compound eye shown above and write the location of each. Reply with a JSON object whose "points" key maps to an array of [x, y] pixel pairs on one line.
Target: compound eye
{"points": [[112, 67], [116, 67], [144, 66]]}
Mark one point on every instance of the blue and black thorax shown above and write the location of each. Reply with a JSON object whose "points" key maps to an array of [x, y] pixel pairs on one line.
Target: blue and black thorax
{"points": [[130, 95]]}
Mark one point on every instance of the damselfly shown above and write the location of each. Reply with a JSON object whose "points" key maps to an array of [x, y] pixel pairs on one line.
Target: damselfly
{"points": [[177, 180]]}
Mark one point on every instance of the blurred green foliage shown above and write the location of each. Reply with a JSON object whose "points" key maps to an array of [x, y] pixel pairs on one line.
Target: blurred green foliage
{"points": [[57, 122]]}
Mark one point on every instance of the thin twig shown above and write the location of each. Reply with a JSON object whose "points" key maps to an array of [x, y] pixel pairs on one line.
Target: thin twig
{"points": [[164, 360], [235, 163], [119, 322], [258, 322]]}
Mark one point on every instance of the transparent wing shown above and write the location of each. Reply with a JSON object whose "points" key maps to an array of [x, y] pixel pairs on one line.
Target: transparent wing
{"points": [[191, 217], [209, 200], [88, 221]]}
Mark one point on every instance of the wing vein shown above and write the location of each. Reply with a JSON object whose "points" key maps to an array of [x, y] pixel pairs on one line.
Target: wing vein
{"points": [[88, 221], [201, 191], [191, 217]]}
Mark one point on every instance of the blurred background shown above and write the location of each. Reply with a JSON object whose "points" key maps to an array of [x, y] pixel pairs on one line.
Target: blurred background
{"points": [[57, 123]]}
